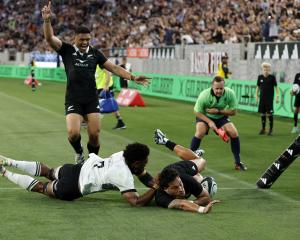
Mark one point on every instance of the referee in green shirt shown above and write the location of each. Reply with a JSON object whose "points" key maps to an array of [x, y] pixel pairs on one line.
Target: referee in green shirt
{"points": [[212, 109]]}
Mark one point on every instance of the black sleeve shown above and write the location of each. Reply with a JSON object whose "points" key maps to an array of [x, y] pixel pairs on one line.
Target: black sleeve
{"points": [[146, 179], [63, 48], [101, 59], [191, 185], [163, 199]]}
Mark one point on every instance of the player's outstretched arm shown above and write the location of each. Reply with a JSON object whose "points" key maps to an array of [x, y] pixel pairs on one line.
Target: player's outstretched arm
{"points": [[190, 206], [135, 200], [203, 199], [53, 41], [121, 72]]}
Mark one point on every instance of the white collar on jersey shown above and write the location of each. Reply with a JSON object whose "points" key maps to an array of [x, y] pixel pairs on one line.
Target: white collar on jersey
{"points": [[77, 50]]}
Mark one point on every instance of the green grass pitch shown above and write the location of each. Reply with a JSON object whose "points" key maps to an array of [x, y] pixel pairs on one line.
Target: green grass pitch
{"points": [[32, 127]]}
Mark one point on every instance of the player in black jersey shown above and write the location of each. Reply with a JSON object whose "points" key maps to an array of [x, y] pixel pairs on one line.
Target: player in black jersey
{"points": [[266, 83], [297, 102], [81, 100]]}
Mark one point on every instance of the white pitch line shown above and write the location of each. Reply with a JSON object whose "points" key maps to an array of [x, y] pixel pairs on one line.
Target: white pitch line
{"points": [[246, 184]]}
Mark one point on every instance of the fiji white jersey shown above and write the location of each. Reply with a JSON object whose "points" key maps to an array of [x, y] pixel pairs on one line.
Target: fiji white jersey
{"points": [[98, 173]]}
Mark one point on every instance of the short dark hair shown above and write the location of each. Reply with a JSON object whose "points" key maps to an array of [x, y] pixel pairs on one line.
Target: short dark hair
{"points": [[218, 79], [135, 152], [82, 29], [167, 175]]}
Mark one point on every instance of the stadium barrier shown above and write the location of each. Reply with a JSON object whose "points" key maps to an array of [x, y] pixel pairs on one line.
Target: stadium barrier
{"points": [[185, 88], [52, 74]]}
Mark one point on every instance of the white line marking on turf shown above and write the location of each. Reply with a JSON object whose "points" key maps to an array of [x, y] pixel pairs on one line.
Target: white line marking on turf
{"points": [[127, 140]]}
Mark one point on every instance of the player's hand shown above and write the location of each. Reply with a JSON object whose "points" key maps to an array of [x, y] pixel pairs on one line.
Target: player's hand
{"points": [[213, 126], [143, 80], [212, 110], [208, 207], [46, 11]]}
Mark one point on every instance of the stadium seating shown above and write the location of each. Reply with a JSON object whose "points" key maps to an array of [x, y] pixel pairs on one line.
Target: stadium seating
{"points": [[149, 23]]}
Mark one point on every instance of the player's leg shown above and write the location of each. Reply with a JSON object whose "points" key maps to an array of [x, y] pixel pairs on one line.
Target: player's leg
{"points": [[74, 121], [182, 152], [232, 132], [32, 168], [93, 129], [120, 122], [201, 131], [262, 111], [26, 182], [269, 113]]}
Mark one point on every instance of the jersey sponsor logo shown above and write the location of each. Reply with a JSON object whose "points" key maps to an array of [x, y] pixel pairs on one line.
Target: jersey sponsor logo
{"points": [[70, 108], [81, 64], [193, 167]]}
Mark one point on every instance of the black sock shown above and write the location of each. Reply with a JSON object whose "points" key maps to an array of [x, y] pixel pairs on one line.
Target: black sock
{"points": [[235, 148], [263, 121], [195, 144], [171, 145], [76, 145], [295, 119], [93, 149], [271, 122]]}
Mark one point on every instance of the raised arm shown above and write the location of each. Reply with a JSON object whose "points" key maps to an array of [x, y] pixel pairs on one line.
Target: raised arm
{"points": [[52, 40], [121, 72]]}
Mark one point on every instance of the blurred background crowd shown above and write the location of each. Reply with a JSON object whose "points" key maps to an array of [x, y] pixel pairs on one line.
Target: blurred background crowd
{"points": [[151, 23]]}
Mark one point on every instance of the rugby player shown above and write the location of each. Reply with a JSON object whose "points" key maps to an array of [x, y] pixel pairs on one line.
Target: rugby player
{"points": [[180, 180], [266, 83], [96, 174], [212, 109], [81, 101]]}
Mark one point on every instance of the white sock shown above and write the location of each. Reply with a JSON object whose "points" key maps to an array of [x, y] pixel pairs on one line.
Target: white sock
{"points": [[23, 181], [32, 168]]}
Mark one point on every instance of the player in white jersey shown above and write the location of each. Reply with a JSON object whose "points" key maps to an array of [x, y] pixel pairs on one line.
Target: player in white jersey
{"points": [[96, 174]]}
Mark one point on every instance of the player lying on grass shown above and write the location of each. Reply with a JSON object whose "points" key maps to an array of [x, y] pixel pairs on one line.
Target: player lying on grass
{"points": [[180, 180], [96, 174]]}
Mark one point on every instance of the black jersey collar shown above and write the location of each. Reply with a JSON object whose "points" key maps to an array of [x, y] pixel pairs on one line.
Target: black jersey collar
{"points": [[77, 50]]}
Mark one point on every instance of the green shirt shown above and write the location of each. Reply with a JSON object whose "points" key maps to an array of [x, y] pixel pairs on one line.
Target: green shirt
{"points": [[207, 99]]}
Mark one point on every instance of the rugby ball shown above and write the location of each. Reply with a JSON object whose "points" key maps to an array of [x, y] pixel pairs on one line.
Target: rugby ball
{"points": [[210, 185], [295, 88]]}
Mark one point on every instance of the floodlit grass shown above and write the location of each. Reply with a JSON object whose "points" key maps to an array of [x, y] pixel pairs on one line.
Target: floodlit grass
{"points": [[32, 127]]}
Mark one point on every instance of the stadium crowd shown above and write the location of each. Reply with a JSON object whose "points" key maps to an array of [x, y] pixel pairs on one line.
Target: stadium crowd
{"points": [[147, 23]]}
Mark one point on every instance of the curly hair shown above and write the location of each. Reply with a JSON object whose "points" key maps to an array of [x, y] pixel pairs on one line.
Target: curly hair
{"points": [[135, 152], [167, 175]]}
